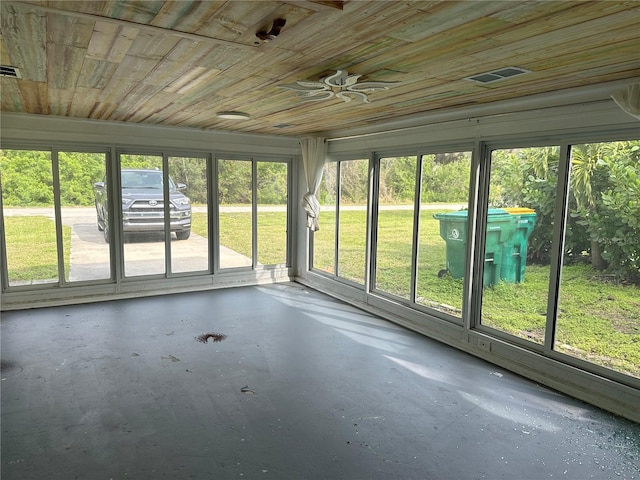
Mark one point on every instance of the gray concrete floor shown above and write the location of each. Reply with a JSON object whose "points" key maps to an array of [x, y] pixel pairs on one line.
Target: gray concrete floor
{"points": [[303, 387]]}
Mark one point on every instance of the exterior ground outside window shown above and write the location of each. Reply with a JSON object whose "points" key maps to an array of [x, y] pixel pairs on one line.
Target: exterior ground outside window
{"points": [[599, 297]]}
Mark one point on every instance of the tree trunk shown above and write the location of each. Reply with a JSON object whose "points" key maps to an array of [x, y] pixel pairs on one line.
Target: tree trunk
{"points": [[597, 262]]}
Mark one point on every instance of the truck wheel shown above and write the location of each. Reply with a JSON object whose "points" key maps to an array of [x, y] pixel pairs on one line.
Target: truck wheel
{"points": [[184, 235], [105, 231]]}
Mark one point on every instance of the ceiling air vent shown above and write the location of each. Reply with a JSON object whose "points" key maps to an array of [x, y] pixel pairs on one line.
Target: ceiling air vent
{"points": [[7, 71], [497, 75]]}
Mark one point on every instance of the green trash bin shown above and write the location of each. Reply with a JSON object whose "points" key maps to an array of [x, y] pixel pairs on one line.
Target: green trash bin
{"points": [[514, 253], [453, 230]]}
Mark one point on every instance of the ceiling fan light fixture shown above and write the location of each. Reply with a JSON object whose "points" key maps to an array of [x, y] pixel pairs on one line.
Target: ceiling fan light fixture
{"points": [[339, 85], [233, 115]]}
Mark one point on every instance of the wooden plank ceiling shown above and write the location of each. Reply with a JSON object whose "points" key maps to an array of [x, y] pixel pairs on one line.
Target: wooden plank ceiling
{"points": [[179, 62]]}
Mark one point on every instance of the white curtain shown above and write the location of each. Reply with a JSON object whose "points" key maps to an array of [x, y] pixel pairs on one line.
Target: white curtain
{"points": [[628, 99], [314, 152]]}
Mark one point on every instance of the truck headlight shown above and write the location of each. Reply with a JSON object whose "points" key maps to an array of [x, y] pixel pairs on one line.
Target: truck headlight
{"points": [[183, 201]]}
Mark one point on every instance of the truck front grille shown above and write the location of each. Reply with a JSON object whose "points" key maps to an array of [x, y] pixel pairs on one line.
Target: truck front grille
{"points": [[141, 212]]}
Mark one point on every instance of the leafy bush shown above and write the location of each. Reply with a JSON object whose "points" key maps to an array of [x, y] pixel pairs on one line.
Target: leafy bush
{"points": [[397, 179], [615, 221], [445, 177], [26, 178], [603, 221], [234, 182], [272, 183], [193, 173], [354, 184]]}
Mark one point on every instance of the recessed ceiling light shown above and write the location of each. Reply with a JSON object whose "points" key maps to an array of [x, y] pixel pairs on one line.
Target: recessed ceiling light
{"points": [[231, 115]]}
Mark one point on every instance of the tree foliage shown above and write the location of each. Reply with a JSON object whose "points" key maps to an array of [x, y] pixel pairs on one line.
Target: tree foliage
{"points": [[193, 173], [234, 182], [445, 179], [354, 182], [603, 221], [272, 183], [612, 219], [27, 177], [78, 173]]}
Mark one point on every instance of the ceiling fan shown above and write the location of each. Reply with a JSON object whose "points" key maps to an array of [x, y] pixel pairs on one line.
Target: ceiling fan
{"points": [[340, 85]]}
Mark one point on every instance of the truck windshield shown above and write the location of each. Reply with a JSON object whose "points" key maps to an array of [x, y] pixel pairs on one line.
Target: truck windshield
{"points": [[144, 179]]}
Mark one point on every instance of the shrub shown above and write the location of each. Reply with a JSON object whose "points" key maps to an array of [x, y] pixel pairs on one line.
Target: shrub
{"points": [[603, 221]]}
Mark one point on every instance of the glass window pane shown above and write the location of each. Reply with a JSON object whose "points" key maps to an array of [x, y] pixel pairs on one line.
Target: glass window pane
{"points": [[599, 304], [142, 211], [442, 250], [235, 201], [29, 218], [90, 257], [272, 213], [189, 215], [354, 187], [519, 234], [395, 225], [324, 240]]}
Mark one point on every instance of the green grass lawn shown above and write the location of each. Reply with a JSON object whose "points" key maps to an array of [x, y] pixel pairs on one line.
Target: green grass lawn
{"points": [[31, 249], [235, 233], [598, 320]]}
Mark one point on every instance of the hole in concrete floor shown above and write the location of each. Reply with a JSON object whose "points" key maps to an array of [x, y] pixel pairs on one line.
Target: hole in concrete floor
{"points": [[217, 337], [6, 365]]}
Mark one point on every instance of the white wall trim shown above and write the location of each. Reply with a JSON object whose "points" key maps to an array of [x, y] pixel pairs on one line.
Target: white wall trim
{"points": [[18, 127], [600, 93], [603, 116], [21, 299]]}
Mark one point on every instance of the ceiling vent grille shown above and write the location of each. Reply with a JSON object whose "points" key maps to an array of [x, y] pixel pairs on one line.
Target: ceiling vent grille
{"points": [[7, 71], [497, 75]]}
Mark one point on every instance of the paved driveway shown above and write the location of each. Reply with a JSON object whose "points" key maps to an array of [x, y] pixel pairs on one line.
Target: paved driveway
{"points": [[144, 254]]}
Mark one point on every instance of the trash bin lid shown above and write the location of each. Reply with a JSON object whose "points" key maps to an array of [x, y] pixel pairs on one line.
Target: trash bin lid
{"points": [[519, 210], [496, 211], [452, 215], [464, 213]]}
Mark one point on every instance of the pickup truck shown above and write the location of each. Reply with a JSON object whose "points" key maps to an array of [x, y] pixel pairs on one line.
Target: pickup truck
{"points": [[143, 204]]}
